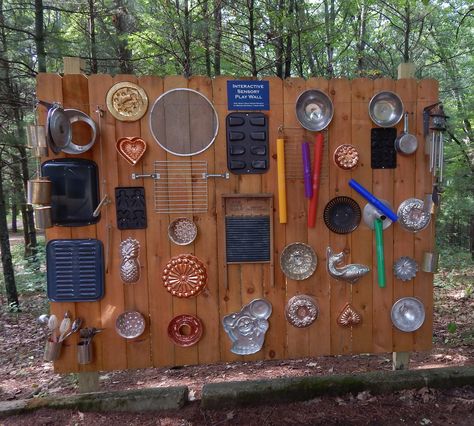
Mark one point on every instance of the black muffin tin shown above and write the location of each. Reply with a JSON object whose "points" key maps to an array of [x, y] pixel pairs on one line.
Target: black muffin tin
{"points": [[131, 207], [383, 153], [247, 142]]}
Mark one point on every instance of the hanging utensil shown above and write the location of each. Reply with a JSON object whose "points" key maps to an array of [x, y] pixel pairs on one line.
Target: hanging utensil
{"points": [[281, 180], [406, 143], [74, 328], [53, 325], [381, 278], [64, 326]]}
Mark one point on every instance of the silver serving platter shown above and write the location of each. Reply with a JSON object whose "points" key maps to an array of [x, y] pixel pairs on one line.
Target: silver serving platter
{"points": [[246, 329], [386, 109], [371, 213], [412, 215], [298, 261], [130, 324], [314, 110], [408, 314], [182, 231]]}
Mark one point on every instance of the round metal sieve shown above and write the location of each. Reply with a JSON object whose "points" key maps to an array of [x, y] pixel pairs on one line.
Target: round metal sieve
{"points": [[183, 122]]}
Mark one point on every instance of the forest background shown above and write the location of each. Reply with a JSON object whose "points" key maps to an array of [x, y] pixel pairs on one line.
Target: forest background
{"points": [[258, 38]]}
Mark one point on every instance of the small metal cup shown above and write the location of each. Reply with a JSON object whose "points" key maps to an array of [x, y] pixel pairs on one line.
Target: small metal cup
{"points": [[36, 136], [428, 204], [39, 191], [84, 352], [43, 217], [430, 262], [52, 350]]}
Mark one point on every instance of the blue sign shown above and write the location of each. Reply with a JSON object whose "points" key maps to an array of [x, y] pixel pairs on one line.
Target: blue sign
{"points": [[247, 95]]}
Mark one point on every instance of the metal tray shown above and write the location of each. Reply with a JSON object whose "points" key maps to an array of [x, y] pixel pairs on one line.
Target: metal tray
{"points": [[298, 261], [408, 314]]}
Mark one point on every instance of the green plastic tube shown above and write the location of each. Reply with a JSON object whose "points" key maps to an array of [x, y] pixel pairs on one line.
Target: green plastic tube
{"points": [[379, 249]]}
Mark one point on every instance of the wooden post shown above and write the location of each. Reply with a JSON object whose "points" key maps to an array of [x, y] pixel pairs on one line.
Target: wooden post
{"points": [[73, 65], [88, 381], [400, 360], [406, 70]]}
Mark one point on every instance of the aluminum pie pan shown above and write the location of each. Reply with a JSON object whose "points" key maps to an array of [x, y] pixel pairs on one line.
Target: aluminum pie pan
{"points": [[386, 109], [408, 314], [130, 324], [314, 110], [182, 231], [412, 215], [298, 261], [371, 213]]}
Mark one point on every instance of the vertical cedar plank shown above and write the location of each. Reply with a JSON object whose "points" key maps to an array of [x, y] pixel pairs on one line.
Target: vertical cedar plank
{"points": [[404, 187], [206, 248], [275, 340], [109, 343], [339, 132], [296, 228], [229, 275], [424, 240], [382, 297], [158, 246], [361, 238]]}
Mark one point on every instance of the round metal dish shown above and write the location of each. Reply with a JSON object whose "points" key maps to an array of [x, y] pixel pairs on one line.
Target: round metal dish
{"points": [[260, 308], [405, 268], [342, 215], [408, 314], [386, 109], [314, 110], [74, 116], [298, 261], [184, 276], [183, 122], [59, 128], [301, 311], [185, 330], [182, 231], [126, 101], [412, 215], [371, 213], [130, 324], [346, 157]]}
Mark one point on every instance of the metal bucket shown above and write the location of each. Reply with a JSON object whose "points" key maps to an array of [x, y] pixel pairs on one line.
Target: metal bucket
{"points": [[43, 217], [84, 352], [52, 350], [39, 191], [430, 262], [36, 136]]}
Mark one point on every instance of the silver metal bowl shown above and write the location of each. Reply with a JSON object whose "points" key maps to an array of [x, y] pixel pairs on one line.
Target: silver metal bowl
{"points": [[130, 324], [386, 109], [314, 110], [408, 314]]}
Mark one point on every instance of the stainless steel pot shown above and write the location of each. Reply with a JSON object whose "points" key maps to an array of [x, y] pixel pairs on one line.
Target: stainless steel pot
{"points": [[406, 143], [43, 217]]}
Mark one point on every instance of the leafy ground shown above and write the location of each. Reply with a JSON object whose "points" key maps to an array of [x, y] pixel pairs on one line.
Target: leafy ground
{"points": [[23, 374]]}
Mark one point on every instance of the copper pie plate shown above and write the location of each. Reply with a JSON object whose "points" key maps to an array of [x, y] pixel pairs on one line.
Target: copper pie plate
{"points": [[185, 330], [126, 101], [131, 149], [184, 276], [346, 157]]}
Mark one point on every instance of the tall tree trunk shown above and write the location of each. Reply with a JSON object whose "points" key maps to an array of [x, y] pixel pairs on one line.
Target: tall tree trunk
{"points": [[14, 210], [39, 36], [253, 55], [121, 24], [207, 37], [187, 41], [406, 41], [217, 36], [361, 34], [299, 24], [7, 263], [329, 21], [471, 236], [92, 38], [289, 38]]}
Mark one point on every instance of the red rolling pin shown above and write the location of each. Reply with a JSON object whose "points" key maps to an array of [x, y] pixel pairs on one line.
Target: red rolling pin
{"points": [[318, 159]]}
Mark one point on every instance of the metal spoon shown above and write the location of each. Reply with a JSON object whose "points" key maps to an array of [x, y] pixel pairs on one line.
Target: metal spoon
{"points": [[75, 327], [64, 326], [53, 325]]}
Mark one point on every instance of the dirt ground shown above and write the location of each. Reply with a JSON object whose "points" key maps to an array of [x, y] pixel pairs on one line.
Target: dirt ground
{"points": [[23, 374]]}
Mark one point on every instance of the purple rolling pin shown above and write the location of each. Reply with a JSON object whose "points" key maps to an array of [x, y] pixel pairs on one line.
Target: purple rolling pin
{"points": [[308, 185], [373, 200]]}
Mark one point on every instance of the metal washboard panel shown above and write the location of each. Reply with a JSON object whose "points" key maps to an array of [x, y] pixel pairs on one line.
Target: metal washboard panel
{"points": [[247, 239], [75, 271]]}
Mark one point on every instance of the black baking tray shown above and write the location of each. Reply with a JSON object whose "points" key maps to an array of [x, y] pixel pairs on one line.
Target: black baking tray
{"points": [[382, 143], [247, 142], [75, 270], [74, 190], [130, 207]]}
